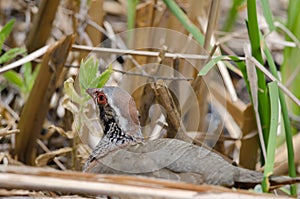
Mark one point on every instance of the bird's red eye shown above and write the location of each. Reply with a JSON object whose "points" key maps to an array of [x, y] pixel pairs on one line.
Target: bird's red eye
{"points": [[101, 98]]}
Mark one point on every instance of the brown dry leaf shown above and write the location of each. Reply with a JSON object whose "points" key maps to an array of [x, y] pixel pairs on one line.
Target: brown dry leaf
{"points": [[43, 159], [68, 134], [5, 158]]}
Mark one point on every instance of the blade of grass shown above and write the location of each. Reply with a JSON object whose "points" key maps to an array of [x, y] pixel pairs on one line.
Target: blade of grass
{"points": [[210, 65], [11, 54], [293, 13], [291, 56], [131, 13], [185, 21], [104, 77], [286, 120], [5, 31], [28, 75], [292, 170], [263, 100], [14, 78], [242, 67], [212, 62], [24, 60], [289, 142], [280, 85], [232, 15], [268, 14], [269, 166]]}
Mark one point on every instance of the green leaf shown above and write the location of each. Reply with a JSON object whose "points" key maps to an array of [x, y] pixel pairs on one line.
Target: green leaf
{"points": [[5, 31], [131, 13], [87, 74], [11, 54], [242, 66], [254, 36], [292, 58], [33, 76], [2, 86], [233, 12], [284, 109], [71, 92], [14, 78], [29, 76], [104, 77], [268, 14], [293, 15], [269, 166], [27, 71], [209, 65], [185, 21]]}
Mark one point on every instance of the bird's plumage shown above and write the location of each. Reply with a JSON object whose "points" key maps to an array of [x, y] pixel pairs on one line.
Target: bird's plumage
{"points": [[123, 151], [169, 157]]}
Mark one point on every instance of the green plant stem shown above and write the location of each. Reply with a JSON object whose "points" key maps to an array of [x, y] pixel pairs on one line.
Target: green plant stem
{"points": [[289, 142], [269, 166], [291, 57], [254, 35], [232, 15], [131, 13], [268, 14], [286, 122], [5, 31], [185, 21]]}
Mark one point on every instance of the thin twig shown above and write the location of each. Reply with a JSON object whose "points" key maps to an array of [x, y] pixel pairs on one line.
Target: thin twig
{"points": [[269, 75], [230, 36], [121, 45], [146, 53], [213, 13], [10, 110], [55, 159], [25, 59], [139, 52], [252, 75], [33, 56], [153, 76], [5, 132], [289, 33]]}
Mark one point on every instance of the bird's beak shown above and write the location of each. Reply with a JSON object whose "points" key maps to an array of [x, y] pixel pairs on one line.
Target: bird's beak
{"points": [[92, 93]]}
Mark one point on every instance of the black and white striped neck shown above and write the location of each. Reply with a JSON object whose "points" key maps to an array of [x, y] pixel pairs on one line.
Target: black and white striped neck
{"points": [[116, 135]]}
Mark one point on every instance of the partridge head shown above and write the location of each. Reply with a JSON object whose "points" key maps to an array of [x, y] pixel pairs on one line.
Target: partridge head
{"points": [[116, 109]]}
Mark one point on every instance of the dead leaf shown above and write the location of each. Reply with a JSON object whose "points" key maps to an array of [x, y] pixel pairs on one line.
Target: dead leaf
{"points": [[68, 134], [43, 159]]}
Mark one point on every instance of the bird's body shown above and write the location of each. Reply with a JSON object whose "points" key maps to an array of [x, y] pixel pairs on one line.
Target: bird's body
{"points": [[176, 160], [122, 149]]}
